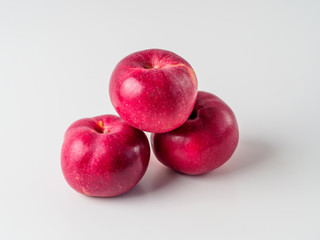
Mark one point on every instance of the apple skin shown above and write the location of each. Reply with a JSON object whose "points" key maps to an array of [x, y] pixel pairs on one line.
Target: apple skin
{"points": [[153, 90], [103, 156], [204, 142]]}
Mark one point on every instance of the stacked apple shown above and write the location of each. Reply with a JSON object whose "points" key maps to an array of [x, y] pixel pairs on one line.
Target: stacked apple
{"points": [[193, 132]]}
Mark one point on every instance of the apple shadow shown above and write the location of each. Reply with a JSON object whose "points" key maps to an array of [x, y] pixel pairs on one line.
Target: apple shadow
{"points": [[250, 155], [156, 178]]}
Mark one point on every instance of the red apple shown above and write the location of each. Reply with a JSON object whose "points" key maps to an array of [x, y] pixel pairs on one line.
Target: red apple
{"points": [[204, 142], [103, 156], [153, 90]]}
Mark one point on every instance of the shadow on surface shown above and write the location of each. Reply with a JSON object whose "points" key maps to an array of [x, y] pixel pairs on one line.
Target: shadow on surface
{"points": [[156, 178], [251, 154]]}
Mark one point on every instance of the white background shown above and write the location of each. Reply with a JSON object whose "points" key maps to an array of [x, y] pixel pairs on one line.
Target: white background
{"points": [[261, 57]]}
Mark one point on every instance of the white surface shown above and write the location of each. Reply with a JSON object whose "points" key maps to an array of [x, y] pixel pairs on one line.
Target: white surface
{"points": [[261, 57]]}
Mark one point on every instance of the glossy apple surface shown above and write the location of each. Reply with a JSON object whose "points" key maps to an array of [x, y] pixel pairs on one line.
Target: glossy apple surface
{"points": [[204, 142], [104, 156], [153, 90]]}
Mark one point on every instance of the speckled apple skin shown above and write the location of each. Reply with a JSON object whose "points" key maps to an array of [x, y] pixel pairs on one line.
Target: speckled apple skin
{"points": [[103, 156], [200, 144], [153, 90]]}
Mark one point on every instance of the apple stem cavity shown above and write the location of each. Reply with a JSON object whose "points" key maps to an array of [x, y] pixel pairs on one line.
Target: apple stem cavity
{"points": [[147, 66], [102, 129], [151, 66], [193, 115]]}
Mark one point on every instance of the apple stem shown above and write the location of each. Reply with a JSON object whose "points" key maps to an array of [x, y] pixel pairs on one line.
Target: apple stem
{"points": [[100, 123]]}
